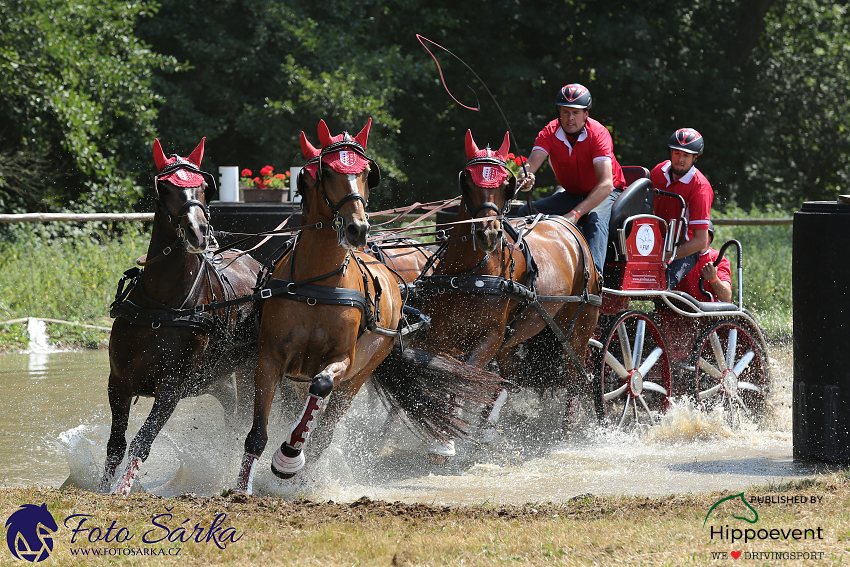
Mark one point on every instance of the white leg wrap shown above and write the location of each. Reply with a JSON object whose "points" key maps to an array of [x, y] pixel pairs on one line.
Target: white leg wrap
{"points": [[245, 480], [287, 465], [125, 483], [497, 406]]}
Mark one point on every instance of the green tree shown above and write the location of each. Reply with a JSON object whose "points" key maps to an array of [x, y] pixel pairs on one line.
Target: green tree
{"points": [[76, 105]]}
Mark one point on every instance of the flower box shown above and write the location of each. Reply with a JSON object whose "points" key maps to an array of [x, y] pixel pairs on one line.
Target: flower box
{"points": [[254, 195]]}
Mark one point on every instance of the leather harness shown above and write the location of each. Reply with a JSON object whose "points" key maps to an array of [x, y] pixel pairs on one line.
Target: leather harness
{"points": [[472, 283]]}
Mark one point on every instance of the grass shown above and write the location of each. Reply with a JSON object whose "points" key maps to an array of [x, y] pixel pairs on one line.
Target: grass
{"points": [[590, 530], [71, 279], [767, 269], [74, 278]]}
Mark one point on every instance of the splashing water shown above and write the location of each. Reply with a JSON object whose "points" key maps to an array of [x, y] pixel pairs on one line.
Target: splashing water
{"points": [[38, 339], [688, 451]]}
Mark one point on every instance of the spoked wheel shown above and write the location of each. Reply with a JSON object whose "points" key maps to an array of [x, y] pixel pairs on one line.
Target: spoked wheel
{"points": [[632, 377], [731, 370]]}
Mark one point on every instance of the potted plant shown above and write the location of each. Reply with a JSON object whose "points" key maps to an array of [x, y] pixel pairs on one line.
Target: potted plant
{"points": [[268, 187]]}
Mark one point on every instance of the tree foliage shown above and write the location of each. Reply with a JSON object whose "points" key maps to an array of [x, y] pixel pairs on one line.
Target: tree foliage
{"points": [[763, 80], [75, 103]]}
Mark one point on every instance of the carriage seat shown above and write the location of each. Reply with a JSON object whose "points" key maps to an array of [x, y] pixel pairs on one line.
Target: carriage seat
{"points": [[635, 255], [636, 199]]}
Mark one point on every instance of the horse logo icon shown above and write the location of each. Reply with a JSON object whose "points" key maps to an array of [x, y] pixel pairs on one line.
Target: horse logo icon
{"points": [[28, 532], [739, 496]]}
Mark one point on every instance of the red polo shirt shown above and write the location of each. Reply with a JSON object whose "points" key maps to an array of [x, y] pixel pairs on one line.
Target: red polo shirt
{"points": [[573, 166], [690, 283], [693, 187]]}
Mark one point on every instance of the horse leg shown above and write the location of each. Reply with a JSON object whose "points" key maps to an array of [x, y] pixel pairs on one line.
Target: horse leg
{"points": [[266, 379], [166, 401], [119, 404], [225, 392], [289, 457]]}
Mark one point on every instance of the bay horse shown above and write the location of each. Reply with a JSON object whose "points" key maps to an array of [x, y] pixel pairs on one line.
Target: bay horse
{"points": [[332, 313], [181, 326], [501, 287]]}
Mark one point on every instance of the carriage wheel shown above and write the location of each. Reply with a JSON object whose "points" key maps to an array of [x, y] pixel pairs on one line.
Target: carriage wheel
{"points": [[632, 372], [731, 370]]}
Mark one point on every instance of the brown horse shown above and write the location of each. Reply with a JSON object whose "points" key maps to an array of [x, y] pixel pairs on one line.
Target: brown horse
{"points": [[332, 312], [498, 286], [168, 341]]}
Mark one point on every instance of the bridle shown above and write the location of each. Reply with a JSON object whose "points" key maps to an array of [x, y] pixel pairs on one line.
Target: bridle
{"points": [[174, 220], [374, 178], [489, 159]]}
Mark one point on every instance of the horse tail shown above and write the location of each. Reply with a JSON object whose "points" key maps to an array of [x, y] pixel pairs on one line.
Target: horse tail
{"points": [[433, 391]]}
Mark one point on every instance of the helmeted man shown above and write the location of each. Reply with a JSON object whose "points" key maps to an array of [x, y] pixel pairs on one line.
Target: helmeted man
{"points": [[717, 280], [581, 153], [680, 175]]}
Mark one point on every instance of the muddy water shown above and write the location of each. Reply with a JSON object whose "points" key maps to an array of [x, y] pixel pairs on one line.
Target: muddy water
{"points": [[54, 421]]}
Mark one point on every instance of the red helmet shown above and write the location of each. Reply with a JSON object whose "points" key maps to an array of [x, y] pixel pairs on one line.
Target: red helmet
{"points": [[687, 140], [574, 95]]}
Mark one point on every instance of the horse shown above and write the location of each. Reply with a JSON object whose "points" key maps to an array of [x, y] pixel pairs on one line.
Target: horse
{"points": [[182, 326], [331, 313], [502, 287]]}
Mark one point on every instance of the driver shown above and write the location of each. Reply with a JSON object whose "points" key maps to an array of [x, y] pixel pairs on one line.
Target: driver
{"points": [[680, 175], [581, 153], [718, 280]]}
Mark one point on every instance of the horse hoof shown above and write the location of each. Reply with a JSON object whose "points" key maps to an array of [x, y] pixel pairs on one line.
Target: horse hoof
{"points": [[125, 484], [286, 467]]}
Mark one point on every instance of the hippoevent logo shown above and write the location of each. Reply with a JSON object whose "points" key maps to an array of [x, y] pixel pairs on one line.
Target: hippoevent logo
{"points": [[28, 533], [739, 507]]}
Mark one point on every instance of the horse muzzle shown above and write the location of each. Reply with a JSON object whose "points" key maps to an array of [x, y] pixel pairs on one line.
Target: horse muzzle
{"points": [[487, 235], [354, 233]]}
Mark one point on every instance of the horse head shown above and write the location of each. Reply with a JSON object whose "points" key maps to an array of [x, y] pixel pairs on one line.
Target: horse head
{"points": [[343, 174], [180, 195], [487, 188]]}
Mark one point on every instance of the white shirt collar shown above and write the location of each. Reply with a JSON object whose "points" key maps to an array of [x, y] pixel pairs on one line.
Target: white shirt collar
{"points": [[686, 178], [561, 135]]}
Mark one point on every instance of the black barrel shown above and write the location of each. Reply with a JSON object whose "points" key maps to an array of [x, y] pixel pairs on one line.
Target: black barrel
{"points": [[253, 218], [821, 296]]}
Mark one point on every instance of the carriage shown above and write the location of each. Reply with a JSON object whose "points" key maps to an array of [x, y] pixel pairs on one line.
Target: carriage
{"points": [[652, 344]]}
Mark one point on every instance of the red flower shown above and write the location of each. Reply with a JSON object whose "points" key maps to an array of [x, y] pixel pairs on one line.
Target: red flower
{"points": [[266, 171], [286, 173], [279, 176], [511, 156], [247, 173], [520, 160]]}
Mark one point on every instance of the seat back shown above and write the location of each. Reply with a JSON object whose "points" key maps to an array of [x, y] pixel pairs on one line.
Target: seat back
{"points": [[635, 200], [634, 172]]}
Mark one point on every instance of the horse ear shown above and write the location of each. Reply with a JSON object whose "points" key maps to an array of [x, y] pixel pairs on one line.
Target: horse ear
{"points": [[324, 134], [363, 136], [471, 148], [158, 155], [307, 148], [197, 154], [506, 145]]}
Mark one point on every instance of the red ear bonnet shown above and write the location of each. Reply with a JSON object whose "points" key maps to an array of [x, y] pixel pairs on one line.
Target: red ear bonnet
{"points": [[180, 177], [344, 160], [487, 175]]}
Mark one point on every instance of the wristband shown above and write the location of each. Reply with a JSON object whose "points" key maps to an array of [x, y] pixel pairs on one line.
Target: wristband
{"points": [[576, 213], [714, 280]]}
